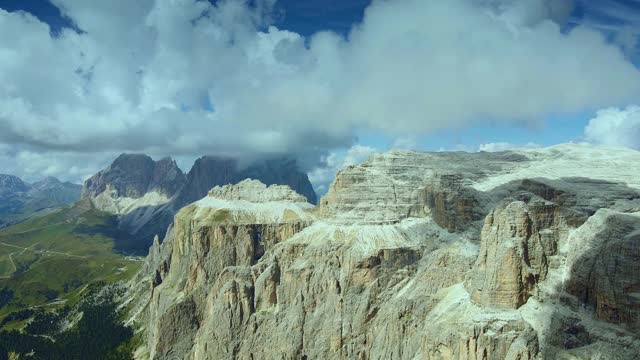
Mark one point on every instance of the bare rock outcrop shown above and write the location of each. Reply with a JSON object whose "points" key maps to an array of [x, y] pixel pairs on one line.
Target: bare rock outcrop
{"points": [[397, 264], [211, 241], [210, 171], [145, 194], [516, 243], [605, 267], [452, 205], [133, 176]]}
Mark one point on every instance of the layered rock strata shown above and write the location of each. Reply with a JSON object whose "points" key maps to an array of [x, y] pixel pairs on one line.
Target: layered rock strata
{"points": [[409, 255]]}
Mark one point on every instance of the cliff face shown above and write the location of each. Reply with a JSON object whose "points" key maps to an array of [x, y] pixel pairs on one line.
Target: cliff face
{"points": [[133, 181], [514, 254], [606, 267], [133, 176], [410, 255]]}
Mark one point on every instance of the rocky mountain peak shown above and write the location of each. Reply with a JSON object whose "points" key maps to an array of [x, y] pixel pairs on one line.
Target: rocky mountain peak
{"points": [[210, 171], [282, 171], [10, 183], [207, 172], [48, 182], [134, 175], [146, 194], [20, 200], [389, 187]]}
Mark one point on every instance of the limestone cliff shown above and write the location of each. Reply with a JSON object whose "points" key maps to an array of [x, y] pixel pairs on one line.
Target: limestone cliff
{"points": [[409, 256]]}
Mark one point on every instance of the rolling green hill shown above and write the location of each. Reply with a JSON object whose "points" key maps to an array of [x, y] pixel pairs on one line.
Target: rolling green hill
{"points": [[47, 262]]}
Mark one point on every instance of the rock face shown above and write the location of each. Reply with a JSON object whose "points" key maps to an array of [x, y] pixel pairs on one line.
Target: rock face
{"points": [[513, 257], [235, 225], [146, 194], [20, 201], [605, 271], [210, 171], [133, 176], [409, 256]]}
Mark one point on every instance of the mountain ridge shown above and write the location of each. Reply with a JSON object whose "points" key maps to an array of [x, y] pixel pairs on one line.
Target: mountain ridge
{"points": [[20, 200], [146, 194], [405, 258]]}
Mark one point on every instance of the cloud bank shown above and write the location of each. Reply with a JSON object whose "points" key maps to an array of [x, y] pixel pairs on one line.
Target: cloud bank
{"points": [[186, 77], [615, 127], [322, 176], [504, 146]]}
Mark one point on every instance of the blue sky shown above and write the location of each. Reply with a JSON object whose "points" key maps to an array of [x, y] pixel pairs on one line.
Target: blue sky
{"points": [[424, 75], [307, 17], [304, 17]]}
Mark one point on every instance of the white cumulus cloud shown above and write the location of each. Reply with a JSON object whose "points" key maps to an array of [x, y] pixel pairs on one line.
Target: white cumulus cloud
{"points": [[615, 127], [187, 78], [335, 161], [504, 146]]}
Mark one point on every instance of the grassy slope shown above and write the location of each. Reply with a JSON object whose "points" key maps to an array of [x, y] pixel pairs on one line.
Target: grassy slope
{"points": [[47, 261]]}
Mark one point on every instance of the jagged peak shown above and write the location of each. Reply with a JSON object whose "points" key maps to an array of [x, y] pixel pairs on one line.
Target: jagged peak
{"points": [[12, 183], [125, 159], [135, 176], [7, 177]]}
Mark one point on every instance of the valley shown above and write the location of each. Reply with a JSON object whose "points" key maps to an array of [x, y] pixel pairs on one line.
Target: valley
{"points": [[48, 262]]}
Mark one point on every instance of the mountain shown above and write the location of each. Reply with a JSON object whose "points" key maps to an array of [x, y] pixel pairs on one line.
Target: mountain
{"points": [[10, 184], [210, 171], [20, 201], [145, 194], [133, 181], [53, 192], [523, 254]]}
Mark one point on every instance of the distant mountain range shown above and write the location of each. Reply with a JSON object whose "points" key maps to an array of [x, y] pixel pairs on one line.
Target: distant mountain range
{"points": [[20, 200], [145, 194]]}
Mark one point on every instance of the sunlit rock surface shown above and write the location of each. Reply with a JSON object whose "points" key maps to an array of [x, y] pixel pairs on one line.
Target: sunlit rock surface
{"points": [[409, 256]]}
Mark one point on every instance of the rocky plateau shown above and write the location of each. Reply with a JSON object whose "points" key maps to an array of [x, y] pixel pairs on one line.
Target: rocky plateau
{"points": [[524, 254]]}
